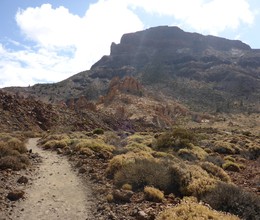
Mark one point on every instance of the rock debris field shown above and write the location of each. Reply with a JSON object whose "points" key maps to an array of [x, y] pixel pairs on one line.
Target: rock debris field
{"points": [[57, 192]]}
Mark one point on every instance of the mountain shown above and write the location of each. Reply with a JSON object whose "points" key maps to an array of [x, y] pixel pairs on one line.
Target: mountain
{"points": [[165, 68]]}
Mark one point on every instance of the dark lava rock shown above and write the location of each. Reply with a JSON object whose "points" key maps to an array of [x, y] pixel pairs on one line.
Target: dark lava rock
{"points": [[15, 195], [22, 180]]}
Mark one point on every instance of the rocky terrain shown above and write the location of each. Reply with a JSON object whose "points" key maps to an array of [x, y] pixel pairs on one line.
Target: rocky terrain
{"points": [[204, 72], [165, 127]]}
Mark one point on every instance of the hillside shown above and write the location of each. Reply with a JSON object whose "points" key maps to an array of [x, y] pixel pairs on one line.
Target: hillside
{"points": [[165, 127], [205, 73]]}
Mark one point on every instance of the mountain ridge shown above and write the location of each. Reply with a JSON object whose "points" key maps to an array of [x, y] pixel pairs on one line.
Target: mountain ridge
{"points": [[205, 73]]}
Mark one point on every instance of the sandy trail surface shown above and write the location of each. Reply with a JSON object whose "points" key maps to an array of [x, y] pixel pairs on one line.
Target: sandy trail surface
{"points": [[57, 192]]}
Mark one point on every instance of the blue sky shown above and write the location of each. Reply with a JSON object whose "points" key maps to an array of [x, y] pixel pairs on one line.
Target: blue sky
{"points": [[48, 41]]}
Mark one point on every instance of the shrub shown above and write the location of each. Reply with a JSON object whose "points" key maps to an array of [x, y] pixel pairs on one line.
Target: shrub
{"points": [[98, 131], [231, 166], [170, 176], [215, 171], [176, 139], [119, 161], [54, 144], [143, 172], [229, 158], [190, 209], [14, 162], [7, 151], [215, 159], [195, 153], [198, 183], [112, 138], [153, 194], [49, 137], [141, 138], [163, 155], [127, 186], [109, 198], [230, 198], [187, 154], [254, 152], [224, 147], [137, 147], [16, 144], [96, 145]]}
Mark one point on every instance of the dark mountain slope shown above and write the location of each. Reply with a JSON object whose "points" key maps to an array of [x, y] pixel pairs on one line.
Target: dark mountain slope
{"points": [[205, 72]]}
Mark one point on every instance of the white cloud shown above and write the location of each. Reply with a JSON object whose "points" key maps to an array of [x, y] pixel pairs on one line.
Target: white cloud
{"points": [[207, 16], [64, 43]]}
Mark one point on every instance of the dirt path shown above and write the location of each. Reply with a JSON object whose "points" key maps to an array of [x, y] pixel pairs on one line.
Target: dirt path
{"points": [[56, 192]]}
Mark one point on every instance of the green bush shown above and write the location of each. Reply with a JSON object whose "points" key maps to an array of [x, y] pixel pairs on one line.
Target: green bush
{"points": [[176, 139], [230, 198]]}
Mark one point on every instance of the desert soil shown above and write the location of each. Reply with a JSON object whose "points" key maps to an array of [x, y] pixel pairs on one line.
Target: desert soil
{"points": [[56, 192]]}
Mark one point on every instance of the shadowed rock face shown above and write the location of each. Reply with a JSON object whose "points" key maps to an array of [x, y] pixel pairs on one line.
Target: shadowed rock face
{"points": [[136, 49], [206, 73]]}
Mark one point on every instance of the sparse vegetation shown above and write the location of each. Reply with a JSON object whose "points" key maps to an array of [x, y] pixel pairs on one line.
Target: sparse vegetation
{"points": [[230, 198], [190, 209]]}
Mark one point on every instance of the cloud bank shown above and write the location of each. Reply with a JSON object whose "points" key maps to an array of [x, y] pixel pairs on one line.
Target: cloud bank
{"points": [[62, 43]]}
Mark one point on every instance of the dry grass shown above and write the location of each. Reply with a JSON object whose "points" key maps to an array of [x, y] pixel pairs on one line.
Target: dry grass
{"points": [[143, 172], [231, 166], [193, 153], [13, 152], [176, 139], [119, 161], [215, 171], [54, 144], [190, 209], [224, 147], [199, 183], [153, 194]]}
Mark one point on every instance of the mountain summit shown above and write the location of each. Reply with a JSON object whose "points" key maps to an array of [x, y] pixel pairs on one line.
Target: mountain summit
{"points": [[206, 73]]}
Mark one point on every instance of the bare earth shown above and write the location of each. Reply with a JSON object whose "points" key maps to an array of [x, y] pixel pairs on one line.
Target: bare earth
{"points": [[57, 192]]}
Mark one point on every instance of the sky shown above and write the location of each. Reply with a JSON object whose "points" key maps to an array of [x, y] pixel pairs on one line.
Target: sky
{"points": [[46, 41]]}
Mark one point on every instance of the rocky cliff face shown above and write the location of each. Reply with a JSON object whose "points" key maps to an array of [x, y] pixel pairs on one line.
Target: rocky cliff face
{"points": [[167, 44], [206, 73]]}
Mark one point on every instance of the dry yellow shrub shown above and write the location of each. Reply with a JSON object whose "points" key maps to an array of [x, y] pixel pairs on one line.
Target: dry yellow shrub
{"points": [[190, 209], [153, 194]]}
